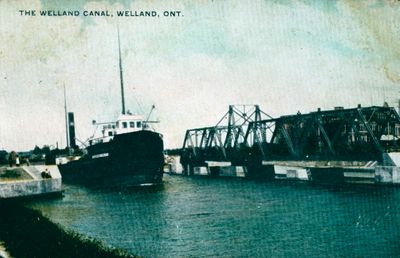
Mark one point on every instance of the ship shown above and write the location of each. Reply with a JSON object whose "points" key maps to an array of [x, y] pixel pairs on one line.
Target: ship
{"points": [[127, 152]]}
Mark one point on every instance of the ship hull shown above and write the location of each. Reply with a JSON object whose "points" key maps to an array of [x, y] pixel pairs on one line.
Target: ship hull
{"points": [[131, 159]]}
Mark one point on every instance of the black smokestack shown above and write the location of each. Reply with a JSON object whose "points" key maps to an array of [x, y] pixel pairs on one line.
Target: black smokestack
{"points": [[71, 130]]}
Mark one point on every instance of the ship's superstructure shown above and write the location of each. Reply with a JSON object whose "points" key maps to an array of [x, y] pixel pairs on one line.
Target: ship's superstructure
{"points": [[124, 124]]}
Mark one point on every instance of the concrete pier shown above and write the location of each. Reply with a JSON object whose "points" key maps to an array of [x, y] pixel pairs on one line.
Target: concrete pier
{"points": [[387, 175], [29, 181], [173, 164], [223, 168], [290, 172], [319, 171], [359, 175], [200, 171]]}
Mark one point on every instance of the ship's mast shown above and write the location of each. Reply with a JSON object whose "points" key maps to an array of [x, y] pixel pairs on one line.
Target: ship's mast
{"points": [[120, 75]]}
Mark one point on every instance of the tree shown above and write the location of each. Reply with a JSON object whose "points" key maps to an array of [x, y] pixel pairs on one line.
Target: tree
{"points": [[46, 149], [37, 150], [3, 157]]}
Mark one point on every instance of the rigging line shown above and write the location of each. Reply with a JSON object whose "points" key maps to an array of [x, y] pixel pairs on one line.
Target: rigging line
{"points": [[138, 104]]}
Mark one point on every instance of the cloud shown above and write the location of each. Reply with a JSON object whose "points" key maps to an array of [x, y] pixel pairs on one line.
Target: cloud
{"points": [[286, 57]]}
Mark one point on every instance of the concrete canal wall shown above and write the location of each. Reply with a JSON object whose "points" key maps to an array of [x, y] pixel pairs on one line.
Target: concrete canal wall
{"points": [[387, 175], [173, 164], [292, 173], [32, 183], [213, 168], [325, 172]]}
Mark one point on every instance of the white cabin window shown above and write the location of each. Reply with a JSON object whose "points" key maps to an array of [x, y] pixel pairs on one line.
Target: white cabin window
{"points": [[110, 133], [132, 124], [124, 125], [138, 124]]}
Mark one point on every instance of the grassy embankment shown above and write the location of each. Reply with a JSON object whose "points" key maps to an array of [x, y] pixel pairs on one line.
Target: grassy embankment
{"points": [[13, 174], [26, 233]]}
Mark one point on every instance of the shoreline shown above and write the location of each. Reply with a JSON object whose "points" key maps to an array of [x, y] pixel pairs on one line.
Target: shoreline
{"points": [[3, 251], [25, 232]]}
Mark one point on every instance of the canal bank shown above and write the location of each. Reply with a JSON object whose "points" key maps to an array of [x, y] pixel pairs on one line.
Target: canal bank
{"points": [[27, 233], [3, 252]]}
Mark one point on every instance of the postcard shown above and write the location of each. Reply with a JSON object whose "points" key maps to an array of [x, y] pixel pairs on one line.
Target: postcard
{"points": [[246, 128]]}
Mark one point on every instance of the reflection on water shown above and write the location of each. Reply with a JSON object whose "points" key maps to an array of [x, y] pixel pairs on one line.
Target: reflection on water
{"points": [[233, 217]]}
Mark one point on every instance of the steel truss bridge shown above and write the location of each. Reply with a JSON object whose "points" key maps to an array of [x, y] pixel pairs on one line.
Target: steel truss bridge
{"points": [[362, 133], [222, 142]]}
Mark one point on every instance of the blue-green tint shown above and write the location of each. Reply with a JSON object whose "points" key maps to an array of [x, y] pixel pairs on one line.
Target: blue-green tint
{"points": [[203, 217]]}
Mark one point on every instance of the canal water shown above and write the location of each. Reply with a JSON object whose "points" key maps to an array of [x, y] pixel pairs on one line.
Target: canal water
{"points": [[235, 217]]}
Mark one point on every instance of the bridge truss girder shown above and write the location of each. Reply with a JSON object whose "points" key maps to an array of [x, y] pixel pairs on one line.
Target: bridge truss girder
{"points": [[335, 134], [221, 143]]}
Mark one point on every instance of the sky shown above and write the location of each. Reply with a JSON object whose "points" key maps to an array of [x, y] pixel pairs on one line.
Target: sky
{"points": [[285, 56]]}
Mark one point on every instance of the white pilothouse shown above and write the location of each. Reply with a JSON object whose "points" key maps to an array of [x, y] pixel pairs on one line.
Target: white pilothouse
{"points": [[125, 123]]}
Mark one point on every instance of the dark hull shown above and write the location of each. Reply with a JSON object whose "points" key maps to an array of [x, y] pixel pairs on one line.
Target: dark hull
{"points": [[131, 159]]}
